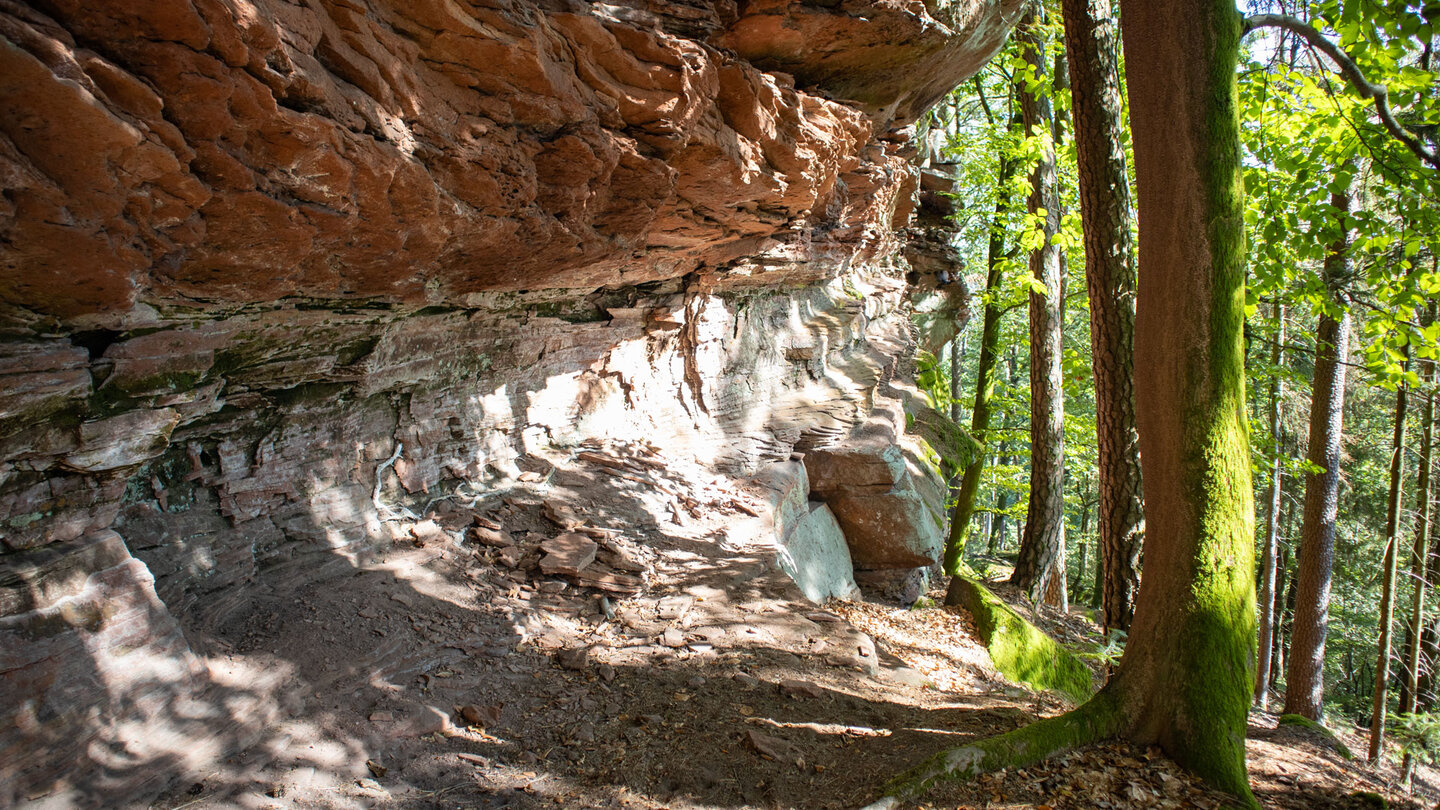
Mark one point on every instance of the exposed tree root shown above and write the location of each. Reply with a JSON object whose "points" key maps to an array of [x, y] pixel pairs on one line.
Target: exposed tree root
{"points": [[1099, 718]]}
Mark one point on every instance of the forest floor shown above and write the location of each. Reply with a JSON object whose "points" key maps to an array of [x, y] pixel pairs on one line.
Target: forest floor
{"points": [[444, 673]]}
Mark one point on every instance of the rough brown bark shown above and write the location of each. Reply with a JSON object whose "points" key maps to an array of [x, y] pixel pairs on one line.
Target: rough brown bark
{"points": [[1189, 667], [1092, 44], [1272, 525], [1040, 567], [1305, 676]]}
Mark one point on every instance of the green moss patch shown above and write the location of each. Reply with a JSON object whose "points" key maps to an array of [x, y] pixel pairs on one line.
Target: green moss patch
{"points": [[1306, 723], [1021, 651]]}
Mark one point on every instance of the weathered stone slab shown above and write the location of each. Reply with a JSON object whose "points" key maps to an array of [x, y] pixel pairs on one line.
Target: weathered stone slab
{"points": [[122, 441], [815, 555], [567, 554]]}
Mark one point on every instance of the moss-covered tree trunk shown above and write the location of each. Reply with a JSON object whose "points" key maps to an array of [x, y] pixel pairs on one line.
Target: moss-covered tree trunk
{"points": [[1040, 567], [1187, 676], [1304, 676], [1188, 671], [1268, 592], [1092, 42]]}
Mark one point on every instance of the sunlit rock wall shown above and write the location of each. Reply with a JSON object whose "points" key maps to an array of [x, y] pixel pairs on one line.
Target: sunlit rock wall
{"points": [[252, 252]]}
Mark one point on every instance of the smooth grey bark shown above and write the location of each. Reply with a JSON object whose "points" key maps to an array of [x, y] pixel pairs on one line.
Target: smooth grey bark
{"points": [[1305, 675], [1267, 596]]}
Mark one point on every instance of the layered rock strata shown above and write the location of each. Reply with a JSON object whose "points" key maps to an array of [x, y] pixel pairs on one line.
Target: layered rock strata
{"points": [[272, 274]]}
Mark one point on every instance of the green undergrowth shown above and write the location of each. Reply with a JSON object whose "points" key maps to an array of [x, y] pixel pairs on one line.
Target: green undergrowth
{"points": [[1305, 722], [1021, 651]]}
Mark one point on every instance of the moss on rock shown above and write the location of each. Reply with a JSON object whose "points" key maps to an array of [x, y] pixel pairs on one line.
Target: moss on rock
{"points": [[1020, 650]]}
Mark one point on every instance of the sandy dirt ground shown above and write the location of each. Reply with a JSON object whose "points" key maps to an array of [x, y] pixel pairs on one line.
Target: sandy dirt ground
{"points": [[451, 671]]}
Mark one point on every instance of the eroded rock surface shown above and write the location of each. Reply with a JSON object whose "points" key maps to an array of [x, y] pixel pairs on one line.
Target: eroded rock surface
{"points": [[234, 153], [277, 280]]}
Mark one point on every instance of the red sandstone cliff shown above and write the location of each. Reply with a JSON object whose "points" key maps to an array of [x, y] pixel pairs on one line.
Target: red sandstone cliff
{"points": [[250, 250]]}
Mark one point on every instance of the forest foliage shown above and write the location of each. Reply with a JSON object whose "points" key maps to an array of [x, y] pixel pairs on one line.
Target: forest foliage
{"points": [[1307, 135]]}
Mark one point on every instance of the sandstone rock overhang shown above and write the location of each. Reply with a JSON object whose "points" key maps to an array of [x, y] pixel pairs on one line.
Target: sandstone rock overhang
{"points": [[268, 269], [895, 59], [221, 154]]}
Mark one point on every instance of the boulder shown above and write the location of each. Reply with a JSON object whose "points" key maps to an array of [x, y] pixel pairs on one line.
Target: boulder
{"points": [[810, 547], [815, 555], [888, 500]]}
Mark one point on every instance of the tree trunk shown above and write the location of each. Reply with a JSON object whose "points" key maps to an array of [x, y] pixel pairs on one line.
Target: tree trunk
{"points": [[1419, 568], [1002, 502], [1040, 567], [1305, 678], [1091, 41], [1272, 524], [1387, 584], [1283, 609], [1188, 670], [1097, 594], [969, 487]]}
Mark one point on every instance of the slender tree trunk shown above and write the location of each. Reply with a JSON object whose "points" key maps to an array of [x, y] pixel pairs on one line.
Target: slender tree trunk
{"points": [[1092, 43], [1387, 583], [1002, 503], [957, 348], [1419, 569], [1272, 524], [985, 376], [1283, 610], [1097, 593], [1040, 567], [1305, 678], [1077, 587]]}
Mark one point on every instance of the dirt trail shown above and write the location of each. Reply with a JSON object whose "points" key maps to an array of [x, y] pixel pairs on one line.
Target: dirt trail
{"points": [[445, 674]]}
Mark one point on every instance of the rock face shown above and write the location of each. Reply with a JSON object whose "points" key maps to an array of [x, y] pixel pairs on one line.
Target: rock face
{"points": [[272, 274], [236, 153]]}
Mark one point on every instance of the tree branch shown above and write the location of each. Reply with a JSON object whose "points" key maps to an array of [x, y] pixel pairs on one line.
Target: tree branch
{"points": [[1352, 74]]}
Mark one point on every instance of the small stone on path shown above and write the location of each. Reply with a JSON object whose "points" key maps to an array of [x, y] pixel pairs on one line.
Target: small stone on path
{"points": [[567, 554]]}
